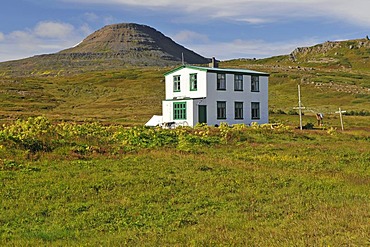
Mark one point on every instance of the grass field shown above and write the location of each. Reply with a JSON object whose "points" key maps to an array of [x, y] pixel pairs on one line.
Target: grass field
{"points": [[89, 184], [87, 173]]}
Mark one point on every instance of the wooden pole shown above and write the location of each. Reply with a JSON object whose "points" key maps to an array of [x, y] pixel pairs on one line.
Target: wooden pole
{"points": [[299, 107], [341, 117]]}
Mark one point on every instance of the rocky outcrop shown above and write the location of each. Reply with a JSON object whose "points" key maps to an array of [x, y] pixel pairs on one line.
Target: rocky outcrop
{"points": [[329, 48]]}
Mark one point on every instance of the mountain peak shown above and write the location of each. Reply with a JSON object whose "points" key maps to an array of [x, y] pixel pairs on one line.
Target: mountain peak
{"points": [[135, 44]]}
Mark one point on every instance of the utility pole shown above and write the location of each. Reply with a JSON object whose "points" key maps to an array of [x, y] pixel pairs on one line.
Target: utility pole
{"points": [[341, 117], [300, 107]]}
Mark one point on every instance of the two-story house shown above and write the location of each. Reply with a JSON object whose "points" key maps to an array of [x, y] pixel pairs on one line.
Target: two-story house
{"points": [[214, 95]]}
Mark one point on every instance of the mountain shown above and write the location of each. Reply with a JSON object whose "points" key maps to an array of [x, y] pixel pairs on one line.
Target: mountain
{"points": [[125, 44]]}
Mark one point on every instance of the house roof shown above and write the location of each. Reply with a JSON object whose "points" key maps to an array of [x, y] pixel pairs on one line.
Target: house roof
{"points": [[219, 70]]}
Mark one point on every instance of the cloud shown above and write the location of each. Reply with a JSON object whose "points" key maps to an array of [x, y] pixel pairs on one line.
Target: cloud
{"points": [[45, 37], [252, 11], [91, 17], [190, 36], [49, 29], [256, 20], [249, 48]]}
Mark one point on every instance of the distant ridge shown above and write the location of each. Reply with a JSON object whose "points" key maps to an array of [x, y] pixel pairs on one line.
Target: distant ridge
{"points": [[125, 44], [345, 54]]}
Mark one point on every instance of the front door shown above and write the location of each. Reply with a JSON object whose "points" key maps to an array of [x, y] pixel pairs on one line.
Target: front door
{"points": [[202, 113]]}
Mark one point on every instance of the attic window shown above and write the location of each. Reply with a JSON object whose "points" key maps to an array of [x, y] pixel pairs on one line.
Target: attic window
{"points": [[176, 83], [221, 82], [193, 82], [255, 84], [238, 82]]}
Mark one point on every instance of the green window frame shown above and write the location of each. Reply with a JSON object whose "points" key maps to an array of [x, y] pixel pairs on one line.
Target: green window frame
{"points": [[179, 110], [221, 109], [255, 83], [255, 110], [176, 83], [221, 81], [238, 82], [193, 82], [238, 110]]}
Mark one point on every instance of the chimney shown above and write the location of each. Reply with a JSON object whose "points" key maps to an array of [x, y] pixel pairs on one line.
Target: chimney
{"points": [[214, 63]]}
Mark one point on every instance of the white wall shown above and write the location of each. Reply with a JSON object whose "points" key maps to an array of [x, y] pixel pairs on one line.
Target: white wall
{"points": [[213, 95], [231, 96], [185, 84], [167, 109]]}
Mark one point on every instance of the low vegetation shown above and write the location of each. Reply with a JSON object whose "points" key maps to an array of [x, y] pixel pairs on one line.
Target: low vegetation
{"points": [[77, 167], [65, 183]]}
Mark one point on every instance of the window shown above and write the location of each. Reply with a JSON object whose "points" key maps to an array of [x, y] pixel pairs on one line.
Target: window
{"points": [[255, 110], [176, 83], [238, 110], [238, 82], [221, 109], [221, 82], [179, 110], [255, 84], [193, 82]]}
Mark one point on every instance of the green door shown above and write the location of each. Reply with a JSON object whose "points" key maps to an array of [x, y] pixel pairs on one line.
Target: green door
{"points": [[202, 113]]}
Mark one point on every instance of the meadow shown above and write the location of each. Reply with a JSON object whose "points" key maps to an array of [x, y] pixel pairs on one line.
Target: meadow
{"points": [[77, 167], [98, 184]]}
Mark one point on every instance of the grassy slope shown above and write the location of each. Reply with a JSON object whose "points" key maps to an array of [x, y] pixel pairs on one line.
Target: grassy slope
{"points": [[132, 96], [269, 189], [125, 96]]}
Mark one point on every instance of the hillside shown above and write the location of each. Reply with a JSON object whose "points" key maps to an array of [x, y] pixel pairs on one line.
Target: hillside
{"points": [[113, 46], [348, 54], [333, 74], [107, 90]]}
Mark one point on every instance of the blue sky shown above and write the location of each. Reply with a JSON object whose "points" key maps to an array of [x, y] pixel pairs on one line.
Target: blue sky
{"points": [[226, 29]]}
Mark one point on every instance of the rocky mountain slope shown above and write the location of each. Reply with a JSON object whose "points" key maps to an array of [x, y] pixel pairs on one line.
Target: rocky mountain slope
{"points": [[117, 45], [345, 54]]}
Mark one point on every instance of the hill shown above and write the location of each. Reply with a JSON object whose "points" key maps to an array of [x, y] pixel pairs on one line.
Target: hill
{"points": [[113, 46], [332, 75]]}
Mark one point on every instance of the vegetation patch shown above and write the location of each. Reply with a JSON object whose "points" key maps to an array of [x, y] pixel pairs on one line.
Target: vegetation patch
{"points": [[101, 184]]}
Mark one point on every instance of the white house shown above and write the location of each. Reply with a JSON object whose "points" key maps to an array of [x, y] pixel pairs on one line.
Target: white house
{"points": [[214, 95]]}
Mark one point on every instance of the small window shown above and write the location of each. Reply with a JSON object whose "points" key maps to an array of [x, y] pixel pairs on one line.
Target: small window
{"points": [[255, 84], [238, 110], [221, 82], [221, 109], [238, 82], [179, 110], [176, 83], [255, 110], [193, 82]]}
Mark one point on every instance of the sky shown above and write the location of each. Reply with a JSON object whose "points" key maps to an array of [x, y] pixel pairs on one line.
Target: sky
{"points": [[225, 29]]}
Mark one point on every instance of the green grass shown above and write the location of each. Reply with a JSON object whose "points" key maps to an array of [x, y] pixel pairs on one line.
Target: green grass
{"points": [[130, 96], [250, 186], [81, 177]]}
